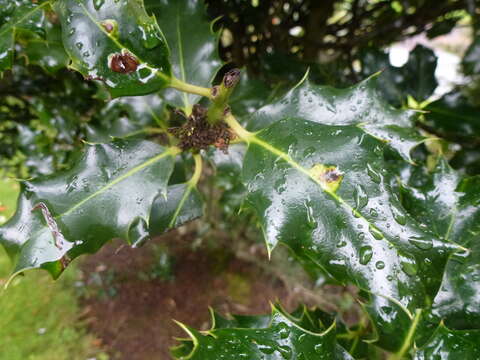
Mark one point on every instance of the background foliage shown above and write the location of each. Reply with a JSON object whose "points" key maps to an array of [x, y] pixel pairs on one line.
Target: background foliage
{"points": [[366, 172]]}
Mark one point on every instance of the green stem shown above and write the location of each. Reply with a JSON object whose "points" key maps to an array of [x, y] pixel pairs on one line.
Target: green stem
{"points": [[189, 88], [409, 339], [198, 171], [241, 132]]}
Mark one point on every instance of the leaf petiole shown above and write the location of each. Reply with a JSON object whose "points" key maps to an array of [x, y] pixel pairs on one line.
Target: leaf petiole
{"points": [[189, 88]]}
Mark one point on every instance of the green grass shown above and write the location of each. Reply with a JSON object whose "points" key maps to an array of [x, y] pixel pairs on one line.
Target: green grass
{"points": [[39, 318]]}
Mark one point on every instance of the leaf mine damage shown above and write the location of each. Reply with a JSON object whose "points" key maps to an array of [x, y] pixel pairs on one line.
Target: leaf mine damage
{"points": [[51, 223], [328, 176], [124, 63], [198, 134]]}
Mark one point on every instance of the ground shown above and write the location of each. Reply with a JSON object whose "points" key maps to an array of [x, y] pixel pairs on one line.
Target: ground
{"points": [[132, 313]]}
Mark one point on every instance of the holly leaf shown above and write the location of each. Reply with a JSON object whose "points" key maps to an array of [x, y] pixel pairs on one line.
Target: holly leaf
{"points": [[182, 204], [358, 105], [278, 336], [324, 191], [415, 78], [450, 206], [17, 16], [193, 45], [470, 61], [129, 116], [446, 344], [48, 52], [116, 42], [454, 117], [108, 193]]}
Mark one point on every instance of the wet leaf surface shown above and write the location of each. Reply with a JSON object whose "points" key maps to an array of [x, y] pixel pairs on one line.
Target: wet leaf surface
{"points": [[192, 42], [450, 206], [107, 194], [116, 42], [359, 105], [16, 16], [301, 336]]}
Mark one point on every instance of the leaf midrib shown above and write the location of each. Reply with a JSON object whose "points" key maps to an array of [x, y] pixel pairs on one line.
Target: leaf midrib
{"points": [[27, 15], [171, 151], [121, 46], [129, 173], [300, 168]]}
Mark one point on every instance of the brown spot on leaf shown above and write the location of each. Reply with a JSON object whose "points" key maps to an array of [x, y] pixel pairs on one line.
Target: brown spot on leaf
{"points": [[124, 63], [331, 175], [197, 134], [108, 27]]}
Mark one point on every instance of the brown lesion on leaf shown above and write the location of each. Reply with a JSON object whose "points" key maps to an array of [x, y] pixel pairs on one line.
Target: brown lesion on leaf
{"points": [[329, 177], [198, 134], [124, 62], [110, 26], [58, 238]]}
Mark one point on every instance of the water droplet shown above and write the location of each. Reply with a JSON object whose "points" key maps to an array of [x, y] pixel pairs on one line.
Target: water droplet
{"points": [[360, 196], [379, 265], [341, 243], [421, 242], [373, 213], [319, 348], [71, 32], [285, 351], [398, 217], [266, 349], [79, 45], [375, 176], [97, 4], [409, 268], [309, 151], [150, 36], [283, 330], [301, 338], [377, 234], [366, 254]]}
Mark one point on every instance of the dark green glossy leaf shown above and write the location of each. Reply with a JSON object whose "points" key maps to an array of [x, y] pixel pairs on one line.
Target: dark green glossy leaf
{"points": [[47, 53], [129, 116], [192, 42], [454, 117], [471, 60], [181, 204], [107, 194], [17, 16], [450, 206], [281, 336], [415, 78], [117, 42], [358, 105], [323, 191], [446, 344]]}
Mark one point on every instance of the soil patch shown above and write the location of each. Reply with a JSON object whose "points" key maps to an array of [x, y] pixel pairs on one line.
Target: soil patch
{"points": [[130, 302]]}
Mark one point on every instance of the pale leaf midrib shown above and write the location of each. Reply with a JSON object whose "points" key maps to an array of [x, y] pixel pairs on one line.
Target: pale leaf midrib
{"points": [[119, 45], [108, 186], [27, 15]]}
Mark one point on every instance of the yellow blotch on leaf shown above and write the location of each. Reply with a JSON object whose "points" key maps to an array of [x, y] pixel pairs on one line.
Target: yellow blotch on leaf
{"points": [[329, 177]]}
